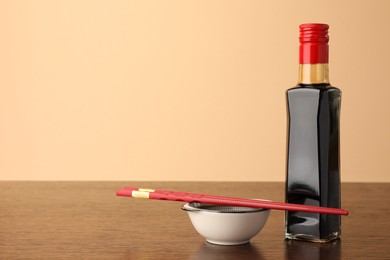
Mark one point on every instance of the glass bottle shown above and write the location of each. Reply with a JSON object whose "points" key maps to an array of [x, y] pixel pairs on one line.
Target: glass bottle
{"points": [[313, 141]]}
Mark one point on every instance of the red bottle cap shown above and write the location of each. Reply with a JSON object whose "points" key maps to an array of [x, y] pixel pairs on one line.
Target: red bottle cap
{"points": [[313, 40]]}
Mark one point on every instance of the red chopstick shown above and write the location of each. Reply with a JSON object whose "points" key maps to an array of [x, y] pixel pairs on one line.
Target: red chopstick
{"points": [[222, 200]]}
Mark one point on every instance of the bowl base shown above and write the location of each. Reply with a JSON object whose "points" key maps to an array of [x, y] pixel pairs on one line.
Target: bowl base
{"points": [[225, 243]]}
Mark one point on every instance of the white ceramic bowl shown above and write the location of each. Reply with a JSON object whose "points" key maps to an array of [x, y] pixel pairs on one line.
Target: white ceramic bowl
{"points": [[226, 225]]}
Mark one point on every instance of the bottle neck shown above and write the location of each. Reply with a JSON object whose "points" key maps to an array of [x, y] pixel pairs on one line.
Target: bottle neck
{"points": [[317, 73]]}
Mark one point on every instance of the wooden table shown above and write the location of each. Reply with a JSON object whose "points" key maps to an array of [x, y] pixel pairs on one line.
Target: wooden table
{"points": [[85, 220]]}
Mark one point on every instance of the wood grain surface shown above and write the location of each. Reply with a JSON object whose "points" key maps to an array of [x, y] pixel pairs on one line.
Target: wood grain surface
{"points": [[85, 220]]}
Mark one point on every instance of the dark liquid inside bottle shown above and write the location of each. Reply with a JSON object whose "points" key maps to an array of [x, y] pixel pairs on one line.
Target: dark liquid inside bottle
{"points": [[313, 167]]}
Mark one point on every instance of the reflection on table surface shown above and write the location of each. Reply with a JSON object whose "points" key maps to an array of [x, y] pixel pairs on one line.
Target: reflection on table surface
{"points": [[303, 250]]}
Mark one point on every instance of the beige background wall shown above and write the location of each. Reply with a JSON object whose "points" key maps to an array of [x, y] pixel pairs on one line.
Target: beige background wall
{"points": [[181, 90]]}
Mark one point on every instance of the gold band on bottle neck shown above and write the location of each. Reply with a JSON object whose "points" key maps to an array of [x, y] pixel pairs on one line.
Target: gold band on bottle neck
{"points": [[313, 73]]}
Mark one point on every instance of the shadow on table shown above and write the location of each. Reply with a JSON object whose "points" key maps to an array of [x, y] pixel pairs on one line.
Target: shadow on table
{"points": [[210, 251], [307, 250]]}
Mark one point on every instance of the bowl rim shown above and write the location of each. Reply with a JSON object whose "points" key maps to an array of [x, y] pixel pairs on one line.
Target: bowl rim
{"points": [[190, 207]]}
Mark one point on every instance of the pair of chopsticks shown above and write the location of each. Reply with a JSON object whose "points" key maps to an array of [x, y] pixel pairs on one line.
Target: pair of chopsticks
{"points": [[222, 200]]}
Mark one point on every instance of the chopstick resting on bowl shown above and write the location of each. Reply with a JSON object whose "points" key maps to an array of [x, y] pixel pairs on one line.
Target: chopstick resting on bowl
{"points": [[222, 200]]}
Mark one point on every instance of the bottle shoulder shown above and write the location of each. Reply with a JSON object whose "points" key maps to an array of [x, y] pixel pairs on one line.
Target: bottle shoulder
{"points": [[314, 88], [306, 93]]}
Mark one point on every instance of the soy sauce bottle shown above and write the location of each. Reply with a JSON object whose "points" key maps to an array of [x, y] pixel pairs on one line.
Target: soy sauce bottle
{"points": [[313, 141]]}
